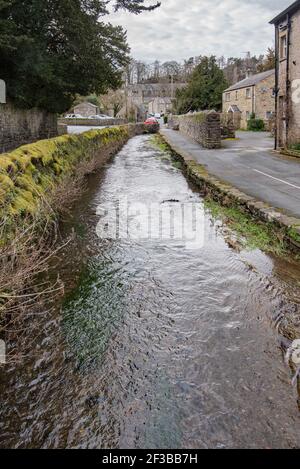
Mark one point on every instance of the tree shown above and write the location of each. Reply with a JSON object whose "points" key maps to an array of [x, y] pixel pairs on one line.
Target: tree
{"points": [[51, 50], [205, 88], [269, 61], [113, 101]]}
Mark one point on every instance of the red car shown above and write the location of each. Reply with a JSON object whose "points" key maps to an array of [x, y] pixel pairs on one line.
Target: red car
{"points": [[151, 121]]}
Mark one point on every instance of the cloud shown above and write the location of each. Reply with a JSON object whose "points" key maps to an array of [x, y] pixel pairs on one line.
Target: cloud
{"points": [[181, 29]]}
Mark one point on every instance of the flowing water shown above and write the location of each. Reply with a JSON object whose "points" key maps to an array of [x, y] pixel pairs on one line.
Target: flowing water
{"points": [[156, 345]]}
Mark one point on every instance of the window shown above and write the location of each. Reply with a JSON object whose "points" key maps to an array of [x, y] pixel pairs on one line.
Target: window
{"points": [[236, 95], [269, 115], [283, 47], [227, 97], [248, 115], [248, 93]]}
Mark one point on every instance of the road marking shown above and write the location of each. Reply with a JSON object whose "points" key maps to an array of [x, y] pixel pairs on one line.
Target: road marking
{"points": [[276, 179]]}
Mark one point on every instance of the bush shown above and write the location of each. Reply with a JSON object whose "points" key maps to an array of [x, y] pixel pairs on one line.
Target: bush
{"points": [[295, 146], [255, 125]]}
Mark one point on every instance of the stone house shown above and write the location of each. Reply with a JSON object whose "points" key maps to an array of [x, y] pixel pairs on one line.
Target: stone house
{"points": [[144, 93], [253, 95], [287, 87], [160, 106], [86, 109]]}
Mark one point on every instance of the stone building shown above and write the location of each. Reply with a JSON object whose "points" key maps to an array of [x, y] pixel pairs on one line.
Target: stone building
{"points": [[253, 95], [86, 109], [144, 93], [160, 106], [287, 87]]}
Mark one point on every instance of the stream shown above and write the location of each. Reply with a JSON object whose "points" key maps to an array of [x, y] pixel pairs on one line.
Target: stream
{"points": [[155, 344]]}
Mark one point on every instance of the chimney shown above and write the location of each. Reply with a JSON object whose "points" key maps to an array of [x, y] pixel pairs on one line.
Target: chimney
{"points": [[249, 73]]}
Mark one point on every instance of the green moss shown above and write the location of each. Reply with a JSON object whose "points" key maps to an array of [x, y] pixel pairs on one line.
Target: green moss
{"points": [[32, 171]]}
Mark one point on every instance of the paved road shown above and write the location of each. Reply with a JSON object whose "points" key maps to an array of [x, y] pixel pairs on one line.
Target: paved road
{"points": [[250, 165]]}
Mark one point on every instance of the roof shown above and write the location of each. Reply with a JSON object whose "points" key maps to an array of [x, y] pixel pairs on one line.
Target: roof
{"points": [[291, 9], [251, 81], [234, 108], [85, 103]]}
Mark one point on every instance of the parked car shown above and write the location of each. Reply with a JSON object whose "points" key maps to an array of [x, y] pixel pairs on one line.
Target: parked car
{"points": [[100, 117], [151, 125], [95, 117], [151, 121], [74, 116]]}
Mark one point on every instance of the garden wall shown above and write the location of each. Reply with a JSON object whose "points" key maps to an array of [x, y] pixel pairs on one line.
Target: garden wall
{"points": [[21, 126], [204, 127], [92, 122]]}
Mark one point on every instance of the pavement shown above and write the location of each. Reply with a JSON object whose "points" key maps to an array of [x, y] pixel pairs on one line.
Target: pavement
{"points": [[249, 164]]}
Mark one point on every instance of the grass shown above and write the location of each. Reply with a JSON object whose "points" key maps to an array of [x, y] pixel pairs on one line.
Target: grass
{"points": [[251, 234], [160, 144], [294, 235], [168, 154]]}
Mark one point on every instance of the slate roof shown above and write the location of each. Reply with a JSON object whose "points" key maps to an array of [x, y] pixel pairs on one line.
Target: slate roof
{"points": [[234, 108], [251, 81]]}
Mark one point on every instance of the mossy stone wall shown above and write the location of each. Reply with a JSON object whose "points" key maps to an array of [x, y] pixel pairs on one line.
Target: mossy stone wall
{"points": [[29, 174]]}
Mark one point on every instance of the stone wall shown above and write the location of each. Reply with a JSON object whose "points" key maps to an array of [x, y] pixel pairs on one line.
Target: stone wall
{"points": [[204, 127], [294, 117], [50, 165], [288, 122], [19, 126], [92, 122]]}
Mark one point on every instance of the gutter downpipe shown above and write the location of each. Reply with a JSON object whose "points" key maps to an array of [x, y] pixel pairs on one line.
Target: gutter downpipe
{"points": [[288, 85], [276, 84]]}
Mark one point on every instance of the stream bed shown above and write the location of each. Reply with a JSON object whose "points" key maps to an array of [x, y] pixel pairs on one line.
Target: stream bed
{"points": [[155, 345]]}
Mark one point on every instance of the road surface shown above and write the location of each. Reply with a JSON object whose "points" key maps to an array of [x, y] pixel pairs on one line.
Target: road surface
{"points": [[249, 164]]}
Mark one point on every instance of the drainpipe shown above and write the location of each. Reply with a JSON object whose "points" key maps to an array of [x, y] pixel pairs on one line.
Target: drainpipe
{"points": [[276, 84], [288, 85], [253, 101]]}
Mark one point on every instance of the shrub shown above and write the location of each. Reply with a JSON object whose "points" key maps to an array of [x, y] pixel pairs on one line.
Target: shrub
{"points": [[295, 146], [255, 125]]}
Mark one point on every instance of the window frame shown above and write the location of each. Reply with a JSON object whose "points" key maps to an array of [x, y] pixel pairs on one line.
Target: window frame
{"points": [[283, 47]]}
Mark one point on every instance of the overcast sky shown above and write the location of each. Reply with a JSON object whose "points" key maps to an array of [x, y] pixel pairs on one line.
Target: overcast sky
{"points": [[181, 29]]}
